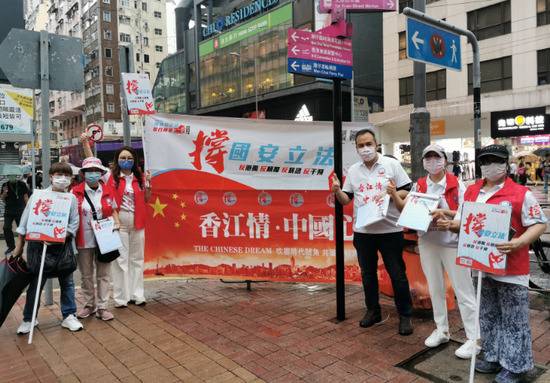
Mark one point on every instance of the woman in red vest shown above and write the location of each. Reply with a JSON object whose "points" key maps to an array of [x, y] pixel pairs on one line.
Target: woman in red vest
{"points": [[131, 190], [438, 254], [504, 308], [101, 196]]}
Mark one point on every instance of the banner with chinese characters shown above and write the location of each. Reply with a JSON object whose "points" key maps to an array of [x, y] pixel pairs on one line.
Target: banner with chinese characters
{"points": [[138, 94], [257, 154], [262, 222], [15, 110], [48, 216], [482, 227]]}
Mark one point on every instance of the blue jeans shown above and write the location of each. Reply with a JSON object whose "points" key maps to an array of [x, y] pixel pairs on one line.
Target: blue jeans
{"points": [[68, 300], [546, 176]]}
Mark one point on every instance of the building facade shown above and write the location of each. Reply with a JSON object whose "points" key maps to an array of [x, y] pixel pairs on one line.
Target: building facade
{"points": [[232, 61], [514, 40]]}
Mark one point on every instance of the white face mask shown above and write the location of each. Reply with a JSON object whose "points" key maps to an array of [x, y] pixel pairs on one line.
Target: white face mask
{"points": [[434, 165], [493, 172], [367, 153], [61, 182]]}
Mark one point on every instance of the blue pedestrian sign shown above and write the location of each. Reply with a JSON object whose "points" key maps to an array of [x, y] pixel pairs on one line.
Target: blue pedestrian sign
{"points": [[319, 68], [431, 45]]}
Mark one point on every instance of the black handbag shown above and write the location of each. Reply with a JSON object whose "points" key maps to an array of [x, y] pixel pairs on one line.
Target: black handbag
{"points": [[60, 259], [107, 257]]}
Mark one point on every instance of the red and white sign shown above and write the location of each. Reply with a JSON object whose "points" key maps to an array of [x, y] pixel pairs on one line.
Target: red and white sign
{"points": [[357, 5], [49, 216], [482, 227], [94, 132], [318, 47], [139, 97]]}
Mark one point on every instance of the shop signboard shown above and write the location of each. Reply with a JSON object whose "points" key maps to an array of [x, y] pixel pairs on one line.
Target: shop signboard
{"points": [[360, 108], [358, 5], [15, 110], [520, 122], [543, 139]]}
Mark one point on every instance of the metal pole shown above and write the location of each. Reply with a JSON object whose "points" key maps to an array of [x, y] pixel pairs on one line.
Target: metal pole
{"points": [[33, 141], [125, 119], [338, 208], [45, 102], [420, 117], [476, 66], [256, 84], [352, 97]]}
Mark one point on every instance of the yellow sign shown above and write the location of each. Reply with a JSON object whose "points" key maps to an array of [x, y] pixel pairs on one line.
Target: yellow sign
{"points": [[437, 128], [23, 101]]}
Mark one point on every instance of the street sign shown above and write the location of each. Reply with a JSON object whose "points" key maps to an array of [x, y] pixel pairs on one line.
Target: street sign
{"points": [[94, 132], [315, 54], [357, 5], [431, 45], [20, 60]]}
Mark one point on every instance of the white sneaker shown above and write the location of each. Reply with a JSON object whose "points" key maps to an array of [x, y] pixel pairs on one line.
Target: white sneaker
{"points": [[25, 327], [72, 323], [437, 338], [465, 351]]}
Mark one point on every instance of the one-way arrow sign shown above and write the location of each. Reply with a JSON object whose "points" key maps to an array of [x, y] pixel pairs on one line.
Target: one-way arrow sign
{"points": [[432, 45]]}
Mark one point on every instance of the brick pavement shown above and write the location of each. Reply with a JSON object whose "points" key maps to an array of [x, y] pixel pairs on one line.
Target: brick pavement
{"points": [[205, 331]]}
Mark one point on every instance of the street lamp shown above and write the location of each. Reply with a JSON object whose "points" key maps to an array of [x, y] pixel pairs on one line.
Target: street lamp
{"points": [[236, 54]]}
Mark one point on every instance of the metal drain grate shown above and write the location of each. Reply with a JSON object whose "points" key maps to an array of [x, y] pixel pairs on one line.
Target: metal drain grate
{"points": [[440, 365]]}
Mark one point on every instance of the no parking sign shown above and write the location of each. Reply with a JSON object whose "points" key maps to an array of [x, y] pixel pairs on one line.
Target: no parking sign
{"points": [[94, 132]]}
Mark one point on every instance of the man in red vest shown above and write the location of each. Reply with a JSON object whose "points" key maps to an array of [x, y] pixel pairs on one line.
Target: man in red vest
{"points": [[504, 306]]}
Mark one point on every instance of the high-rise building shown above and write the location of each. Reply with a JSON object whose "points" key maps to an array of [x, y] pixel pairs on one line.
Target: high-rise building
{"points": [[135, 29]]}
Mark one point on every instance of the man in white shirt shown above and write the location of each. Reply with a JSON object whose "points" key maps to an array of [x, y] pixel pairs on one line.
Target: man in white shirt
{"points": [[368, 180]]}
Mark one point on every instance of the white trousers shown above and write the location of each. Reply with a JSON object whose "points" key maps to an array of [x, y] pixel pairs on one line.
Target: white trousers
{"points": [[127, 269], [86, 260], [435, 259]]}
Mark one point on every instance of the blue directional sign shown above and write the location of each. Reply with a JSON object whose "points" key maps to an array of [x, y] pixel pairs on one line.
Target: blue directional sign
{"points": [[432, 45], [319, 68]]}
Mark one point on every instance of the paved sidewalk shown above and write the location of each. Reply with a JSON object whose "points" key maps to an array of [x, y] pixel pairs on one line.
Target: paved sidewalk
{"points": [[203, 330]]}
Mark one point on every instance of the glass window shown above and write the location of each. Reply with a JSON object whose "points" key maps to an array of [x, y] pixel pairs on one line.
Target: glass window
{"points": [[107, 16], [255, 65], [158, 32], [543, 12], [144, 6], [402, 45], [109, 89], [158, 14], [406, 91], [169, 89], [126, 38], [436, 87], [108, 53], [158, 48], [107, 35], [109, 71], [145, 58], [146, 41], [490, 21], [496, 75], [543, 66], [110, 107]]}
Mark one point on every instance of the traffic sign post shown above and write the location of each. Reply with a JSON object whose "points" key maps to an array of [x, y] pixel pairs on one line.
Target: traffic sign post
{"points": [[321, 54], [432, 45], [338, 8], [94, 132], [39, 60], [476, 67], [448, 59]]}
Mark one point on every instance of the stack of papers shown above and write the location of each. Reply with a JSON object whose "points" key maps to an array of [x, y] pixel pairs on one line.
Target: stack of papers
{"points": [[416, 214]]}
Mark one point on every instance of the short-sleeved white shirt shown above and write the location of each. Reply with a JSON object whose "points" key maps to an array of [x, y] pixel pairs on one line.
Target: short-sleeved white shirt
{"points": [[364, 182], [87, 214], [444, 238], [531, 213]]}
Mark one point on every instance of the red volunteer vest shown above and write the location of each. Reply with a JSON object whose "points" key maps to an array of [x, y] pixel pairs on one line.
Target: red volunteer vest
{"points": [[139, 199], [518, 261], [451, 189], [106, 208]]}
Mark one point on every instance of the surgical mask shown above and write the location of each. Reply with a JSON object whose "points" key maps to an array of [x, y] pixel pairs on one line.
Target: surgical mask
{"points": [[61, 182], [367, 153], [434, 165], [92, 177], [126, 164], [494, 171]]}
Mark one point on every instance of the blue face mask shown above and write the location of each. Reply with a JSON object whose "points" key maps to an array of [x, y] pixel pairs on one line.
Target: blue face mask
{"points": [[92, 177], [126, 164]]}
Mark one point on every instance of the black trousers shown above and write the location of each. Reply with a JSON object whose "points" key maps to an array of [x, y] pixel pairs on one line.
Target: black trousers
{"points": [[390, 245], [9, 218]]}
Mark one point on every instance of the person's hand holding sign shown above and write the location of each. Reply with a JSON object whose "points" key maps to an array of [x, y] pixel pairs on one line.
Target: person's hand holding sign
{"points": [[511, 246]]}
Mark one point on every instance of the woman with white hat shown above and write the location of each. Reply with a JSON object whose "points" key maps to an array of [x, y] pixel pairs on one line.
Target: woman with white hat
{"points": [[93, 192], [438, 253]]}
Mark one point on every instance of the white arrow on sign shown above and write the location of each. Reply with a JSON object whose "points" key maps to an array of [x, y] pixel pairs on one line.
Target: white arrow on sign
{"points": [[295, 50], [294, 36], [294, 65], [416, 40], [390, 3]]}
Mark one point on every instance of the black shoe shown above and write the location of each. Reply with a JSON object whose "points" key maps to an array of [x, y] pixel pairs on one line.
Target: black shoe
{"points": [[371, 318], [484, 367], [405, 326], [9, 250]]}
